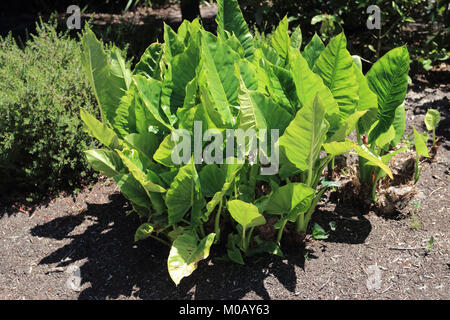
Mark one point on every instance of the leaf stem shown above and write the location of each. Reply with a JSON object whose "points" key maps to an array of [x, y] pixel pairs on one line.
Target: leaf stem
{"points": [[160, 240], [217, 222], [249, 237], [280, 232], [434, 137], [243, 240]]}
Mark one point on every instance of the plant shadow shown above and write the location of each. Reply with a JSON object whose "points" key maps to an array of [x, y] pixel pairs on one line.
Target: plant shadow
{"points": [[350, 224], [114, 266]]}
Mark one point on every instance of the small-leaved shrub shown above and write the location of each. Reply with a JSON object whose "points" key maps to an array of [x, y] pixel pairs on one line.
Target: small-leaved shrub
{"points": [[314, 95], [42, 88]]}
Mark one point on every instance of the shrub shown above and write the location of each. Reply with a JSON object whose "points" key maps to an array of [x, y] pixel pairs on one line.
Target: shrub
{"points": [[42, 89], [313, 98]]}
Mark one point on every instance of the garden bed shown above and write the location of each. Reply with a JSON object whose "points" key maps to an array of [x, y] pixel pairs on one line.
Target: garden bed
{"points": [[91, 231]]}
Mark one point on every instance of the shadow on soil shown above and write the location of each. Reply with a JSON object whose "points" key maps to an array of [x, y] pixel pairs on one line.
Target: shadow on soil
{"points": [[116, 267], [351, 225], [443, 106]]}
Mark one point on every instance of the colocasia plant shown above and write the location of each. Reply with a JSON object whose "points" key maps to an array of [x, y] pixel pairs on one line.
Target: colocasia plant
{"points": [[223, 95], [382, 91]]}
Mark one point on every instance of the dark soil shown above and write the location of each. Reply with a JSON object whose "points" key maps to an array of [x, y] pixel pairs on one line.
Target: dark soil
{"points": [[91, 230]]}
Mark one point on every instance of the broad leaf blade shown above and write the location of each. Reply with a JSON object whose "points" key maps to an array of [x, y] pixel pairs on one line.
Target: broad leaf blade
{"points": [[432, 119], [293, 198], [100, 131], [281, 40], [217, 61], [313, 50], [105, 161], [367, 101], [107, 74], [372, 159], [335, 67], [184, 194], [132, 190], [150, 63], [185, 254], [246, 214], [303, 138], [308, 85], [230, 18], [388, 79], [399, 124], [420, 141], [132, 160]]}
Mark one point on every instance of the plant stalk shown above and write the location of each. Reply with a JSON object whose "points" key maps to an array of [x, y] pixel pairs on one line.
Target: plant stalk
{"points": [[249, 237], [434, 137], [217, 222], [280, 232], [161, 240]]}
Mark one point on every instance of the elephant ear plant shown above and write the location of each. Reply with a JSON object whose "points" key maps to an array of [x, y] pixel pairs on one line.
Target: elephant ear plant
{"points": [[382, 92], [223, 95]]}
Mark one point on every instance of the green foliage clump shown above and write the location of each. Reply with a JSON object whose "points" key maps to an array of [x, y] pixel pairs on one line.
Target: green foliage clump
{"points": [[314, 96], [42, 89], [423, 25]]}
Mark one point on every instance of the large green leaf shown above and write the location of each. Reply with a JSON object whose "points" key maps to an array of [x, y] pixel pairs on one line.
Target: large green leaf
{"points": [[231, 168], [291, 199], [246, 214], [335, 67], [146, 143], [107, 74], [163, 154], [296, 38], [150, 92], [302, 141], [150, 63], [185, 193], [367, 101], [257, 111], [347, 126], [308, 85], [399, 124], [105, 161], [372, 159], [188, 29], [336, 148], [125, 117], [281, 86], [185, 254], [313, 50], [212, 179], [388, 79], [280, 39], [269, 53], [133, 162], [181, 71], [100, 131], [230, 18], [132, 190], [173, 45], [217, 64]]}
